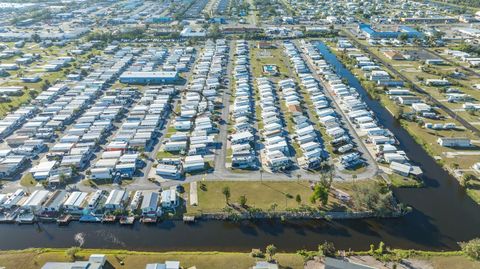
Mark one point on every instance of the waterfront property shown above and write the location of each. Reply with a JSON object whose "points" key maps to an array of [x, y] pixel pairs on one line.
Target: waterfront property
{"points": [[95, 261]]}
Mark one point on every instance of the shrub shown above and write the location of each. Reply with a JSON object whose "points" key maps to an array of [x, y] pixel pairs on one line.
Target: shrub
{"points": [[327, 249], [471, 248], [271, 250], [257, 253]]}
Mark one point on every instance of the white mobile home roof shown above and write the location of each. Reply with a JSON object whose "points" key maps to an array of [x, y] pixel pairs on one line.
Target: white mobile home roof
{"points": [[76, 199], [36, 199], [115, 197]]}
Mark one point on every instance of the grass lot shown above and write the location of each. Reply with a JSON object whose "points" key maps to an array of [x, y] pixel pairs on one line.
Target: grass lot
{"points": [[451, 262], [166, 154], [473, 190], [33, 259], [262, 195], [404, 182], [261, 57], [28, 181]]}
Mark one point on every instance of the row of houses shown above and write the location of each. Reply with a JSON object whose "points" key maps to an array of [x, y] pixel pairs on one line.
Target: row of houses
{"points": [[195, 128], [137, 132], [472, 60], [328, 118], [276, 152], [99, 261], [88, 206], [348, 101], [306, 135], [364, 121], [57, 64], [56, 108], [75, 148], [242, 112], [373, 71]]}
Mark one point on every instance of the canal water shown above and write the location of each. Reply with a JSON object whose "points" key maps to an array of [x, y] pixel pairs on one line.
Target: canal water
{"points": [[442, 216]]}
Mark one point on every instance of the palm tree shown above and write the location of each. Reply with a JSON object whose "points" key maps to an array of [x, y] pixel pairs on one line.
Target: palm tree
{"points": [[226, 192], [271, 250]]}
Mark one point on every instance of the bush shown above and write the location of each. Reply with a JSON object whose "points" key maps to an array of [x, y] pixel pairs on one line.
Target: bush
{"points": [[257, 253], [327, 249], [242, 200], [72, 252], [374, 197], [271, 250], [306, 255], [471, 248]]}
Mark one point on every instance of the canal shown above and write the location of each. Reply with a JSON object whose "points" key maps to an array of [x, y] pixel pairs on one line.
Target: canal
{"points": [[442, 216]]}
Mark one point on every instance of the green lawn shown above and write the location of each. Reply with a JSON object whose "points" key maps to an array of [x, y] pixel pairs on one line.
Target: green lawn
{"points": [[452, 262], [262, 195], [165, 154], [404, 182], [27, 180]]}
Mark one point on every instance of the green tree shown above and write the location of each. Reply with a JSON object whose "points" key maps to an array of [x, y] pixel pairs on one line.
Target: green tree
{"points": [[403, 37], [226, 193], [242, 200], [321, 190], [36, 38], [467, 179], [62, 178], [327, 249], [373, 196], [471, 248], [72, 252], [271, 250], [214, 31], [381, 248], [298, 198]]}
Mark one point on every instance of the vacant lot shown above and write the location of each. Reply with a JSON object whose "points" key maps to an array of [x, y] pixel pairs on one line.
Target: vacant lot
{"points": [[263, 195]]}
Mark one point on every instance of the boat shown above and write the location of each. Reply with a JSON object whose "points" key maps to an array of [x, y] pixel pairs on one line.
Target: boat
{"points": [[64, 220], [127, 220], [26, 219], [8, 217], [148, 219], [188, 219], [89, 218], [109, 219]]}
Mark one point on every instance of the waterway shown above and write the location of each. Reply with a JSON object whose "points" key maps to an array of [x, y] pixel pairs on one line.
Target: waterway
{"points": [[442, 216]]}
